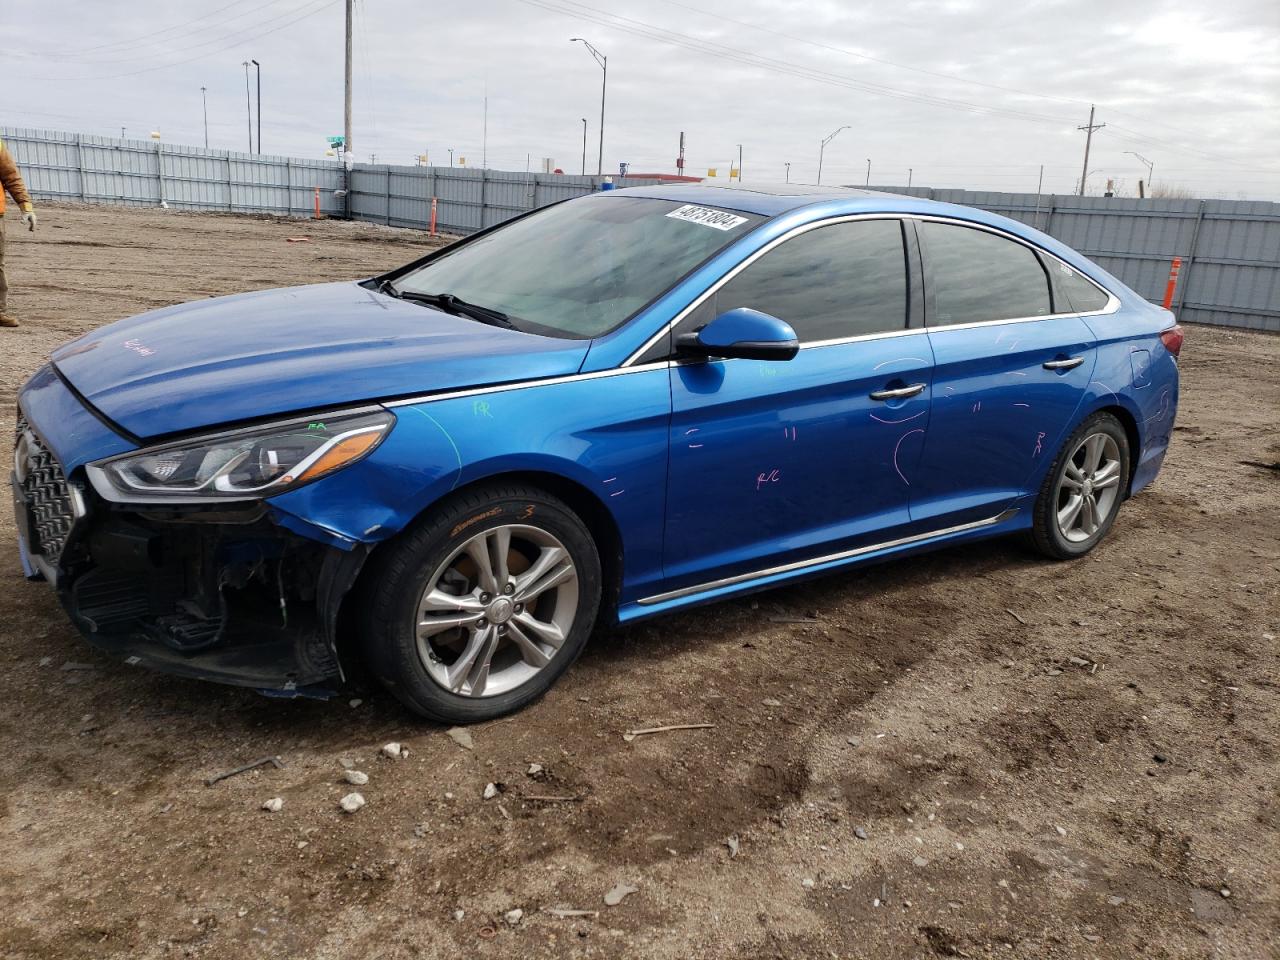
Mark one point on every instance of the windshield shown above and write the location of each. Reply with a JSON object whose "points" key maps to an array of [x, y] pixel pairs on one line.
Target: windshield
{"points": [[579, 269]]}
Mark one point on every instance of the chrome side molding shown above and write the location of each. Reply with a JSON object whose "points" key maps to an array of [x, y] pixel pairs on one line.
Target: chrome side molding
{"points": [[800, 565]]}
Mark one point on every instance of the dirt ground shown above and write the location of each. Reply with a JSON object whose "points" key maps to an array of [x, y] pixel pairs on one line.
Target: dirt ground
{"points": [[907, 759]]}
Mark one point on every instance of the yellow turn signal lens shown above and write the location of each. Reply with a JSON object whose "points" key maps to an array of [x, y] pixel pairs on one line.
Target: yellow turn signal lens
{"points": [[341, 453]]}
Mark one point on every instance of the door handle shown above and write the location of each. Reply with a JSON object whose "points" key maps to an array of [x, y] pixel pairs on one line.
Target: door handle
{"points": [[898, 393], [1068, 364]]}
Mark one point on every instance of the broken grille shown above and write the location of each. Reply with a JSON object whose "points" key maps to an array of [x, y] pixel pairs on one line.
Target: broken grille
{"points": [[45, 492]]}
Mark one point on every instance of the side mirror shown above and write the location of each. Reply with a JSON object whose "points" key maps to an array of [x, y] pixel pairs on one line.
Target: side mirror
{"points": [[741, 333]]}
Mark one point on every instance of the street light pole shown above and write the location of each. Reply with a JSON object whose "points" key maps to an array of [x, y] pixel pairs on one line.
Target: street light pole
{"points": [[248, 105], [788, 166], [257, 69], [584, 146], [823, 147], [204, 99], [601, 59], [739, 163], [451, 156], [1151, 167], [867, 184]]}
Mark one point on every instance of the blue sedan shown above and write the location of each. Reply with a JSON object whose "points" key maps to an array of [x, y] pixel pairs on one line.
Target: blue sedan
{"points": [[603, 410]]}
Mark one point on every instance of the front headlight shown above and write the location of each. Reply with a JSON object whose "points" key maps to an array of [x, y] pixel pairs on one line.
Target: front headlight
{"points": [[243, 464]]}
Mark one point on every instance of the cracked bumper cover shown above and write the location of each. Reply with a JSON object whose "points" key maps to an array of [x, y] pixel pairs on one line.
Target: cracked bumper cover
{"points": [[230, 595]]}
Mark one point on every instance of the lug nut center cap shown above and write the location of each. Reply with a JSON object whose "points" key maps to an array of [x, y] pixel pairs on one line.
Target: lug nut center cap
{"points": [[1088, 487], [501, 609]]}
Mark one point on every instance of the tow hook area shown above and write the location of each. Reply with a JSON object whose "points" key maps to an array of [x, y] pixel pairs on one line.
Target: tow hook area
{"points": [[222, 595]]}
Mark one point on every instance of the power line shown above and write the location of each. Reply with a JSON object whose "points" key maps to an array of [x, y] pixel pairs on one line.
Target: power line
{"points": [[131, 41], [244, 31], [235, 40], [867, 56], [736, 55], [746, 58]]}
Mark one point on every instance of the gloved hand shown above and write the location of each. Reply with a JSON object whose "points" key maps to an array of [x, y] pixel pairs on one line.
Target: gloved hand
{"points": [[29, 218]]}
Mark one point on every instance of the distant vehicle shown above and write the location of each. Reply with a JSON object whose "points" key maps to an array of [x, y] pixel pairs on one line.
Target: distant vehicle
{"points": [[606, 409]]}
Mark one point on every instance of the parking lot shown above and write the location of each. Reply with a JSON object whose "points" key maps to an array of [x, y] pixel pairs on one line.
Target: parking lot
{"points": [[970, 753]]}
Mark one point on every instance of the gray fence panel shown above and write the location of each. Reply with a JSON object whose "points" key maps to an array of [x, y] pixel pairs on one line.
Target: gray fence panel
{"points": [[1230, 248]]}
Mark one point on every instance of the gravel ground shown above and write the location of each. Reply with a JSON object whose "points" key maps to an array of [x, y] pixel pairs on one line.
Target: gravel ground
{"points": [[970, 753]]}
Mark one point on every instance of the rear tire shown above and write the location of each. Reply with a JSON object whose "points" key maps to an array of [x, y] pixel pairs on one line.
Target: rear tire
{"points": [[478, 609], [1082, 493]]}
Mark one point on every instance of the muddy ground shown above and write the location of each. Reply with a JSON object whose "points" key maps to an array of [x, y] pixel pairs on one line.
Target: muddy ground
{"points": [[910, 760]]}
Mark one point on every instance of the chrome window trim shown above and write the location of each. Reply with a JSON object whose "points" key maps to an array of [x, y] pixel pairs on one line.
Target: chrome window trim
{"points": [[1113, 302], [526, 384], [799, 565], [1112, 305]]}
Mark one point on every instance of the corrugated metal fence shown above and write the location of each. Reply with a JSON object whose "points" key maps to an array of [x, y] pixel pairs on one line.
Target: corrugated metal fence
{"points": [[1230, 249], [71, 166]]}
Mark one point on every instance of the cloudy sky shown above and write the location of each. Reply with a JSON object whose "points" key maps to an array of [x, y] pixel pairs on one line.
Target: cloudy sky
{"points": [[965, 93]]}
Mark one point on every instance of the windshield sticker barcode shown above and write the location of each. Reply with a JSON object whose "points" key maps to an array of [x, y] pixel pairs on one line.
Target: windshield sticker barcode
{"points": [[707, 217]]}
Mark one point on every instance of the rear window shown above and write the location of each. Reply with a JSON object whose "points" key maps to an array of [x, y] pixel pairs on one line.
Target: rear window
{"points": [[974, 276], [1082, 295]]}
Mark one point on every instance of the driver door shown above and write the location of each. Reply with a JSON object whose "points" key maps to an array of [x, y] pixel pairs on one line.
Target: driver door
{"points": [[772, 462]]}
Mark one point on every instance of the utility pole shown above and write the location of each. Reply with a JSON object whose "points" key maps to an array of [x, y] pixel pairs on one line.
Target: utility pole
{"points": [[346, 98], [584, 146], [122, 133], [910, 172], [601, 59], [739, 163], [868, 183], [451, 156], [788, 166], [484, 131], [257, 69], [204, 99], [1039, 186], [1088, 139], [680, 156], [248, 104], [823, 147], [348, 157]]}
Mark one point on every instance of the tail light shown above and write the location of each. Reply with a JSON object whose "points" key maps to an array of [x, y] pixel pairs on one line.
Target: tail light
{"points": [[1172, 339]]}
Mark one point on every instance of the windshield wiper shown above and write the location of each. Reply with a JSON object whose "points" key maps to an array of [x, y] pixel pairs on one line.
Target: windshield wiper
{"points": [[452, 304], [389, 288]]}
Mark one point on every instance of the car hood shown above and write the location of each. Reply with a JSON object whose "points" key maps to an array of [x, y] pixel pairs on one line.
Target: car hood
{"points": [[296, 349]]}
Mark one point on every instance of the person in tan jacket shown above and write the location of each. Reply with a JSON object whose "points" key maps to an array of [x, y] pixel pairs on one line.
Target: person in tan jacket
{"points": [[11, 183]]}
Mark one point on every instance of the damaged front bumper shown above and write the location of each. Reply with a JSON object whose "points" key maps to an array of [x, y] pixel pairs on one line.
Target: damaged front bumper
{"points": [[219, 592]]}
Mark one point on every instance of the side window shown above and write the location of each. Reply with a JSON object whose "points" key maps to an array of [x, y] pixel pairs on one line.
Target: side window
{"points": [[1082, 295], [974, 275], [844, 280]]}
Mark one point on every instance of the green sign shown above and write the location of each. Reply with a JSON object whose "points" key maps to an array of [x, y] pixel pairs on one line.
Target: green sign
{"points": [[337, 141]]}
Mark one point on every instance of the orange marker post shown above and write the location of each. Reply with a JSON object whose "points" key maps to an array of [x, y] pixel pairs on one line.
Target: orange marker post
{"points": [[317, 203], [433, 216], [1173, 281]]}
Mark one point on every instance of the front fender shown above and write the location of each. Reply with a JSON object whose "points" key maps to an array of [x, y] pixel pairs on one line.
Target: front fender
{"points": [[606, 434]]}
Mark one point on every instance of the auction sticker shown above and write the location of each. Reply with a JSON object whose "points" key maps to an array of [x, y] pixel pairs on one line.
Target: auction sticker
{"points": [[707, 217]]}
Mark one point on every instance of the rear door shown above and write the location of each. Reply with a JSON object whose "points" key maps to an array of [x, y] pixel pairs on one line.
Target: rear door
{"points": [[774, 462], [1010, 373]]}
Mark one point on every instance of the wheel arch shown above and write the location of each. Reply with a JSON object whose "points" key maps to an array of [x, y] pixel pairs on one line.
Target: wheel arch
{"points": [[594, 514], [1130, 424]]}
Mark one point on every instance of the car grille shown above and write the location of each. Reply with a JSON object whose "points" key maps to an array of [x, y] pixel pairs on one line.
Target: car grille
{"points": [[46, 493]]}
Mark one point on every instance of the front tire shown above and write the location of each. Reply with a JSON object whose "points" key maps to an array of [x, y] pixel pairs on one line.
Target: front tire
{"points": [[1082, 493], [481, 607]]}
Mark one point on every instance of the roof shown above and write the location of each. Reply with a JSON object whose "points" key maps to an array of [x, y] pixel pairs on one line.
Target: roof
{"points": [[765, 199]]}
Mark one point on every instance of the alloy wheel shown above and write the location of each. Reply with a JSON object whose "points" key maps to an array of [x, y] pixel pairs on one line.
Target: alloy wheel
{"points": [[497, 610], [1089, 488]]}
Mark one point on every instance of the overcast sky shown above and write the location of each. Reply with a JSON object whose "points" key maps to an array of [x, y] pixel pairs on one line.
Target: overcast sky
{"points": [[967, 93]]}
